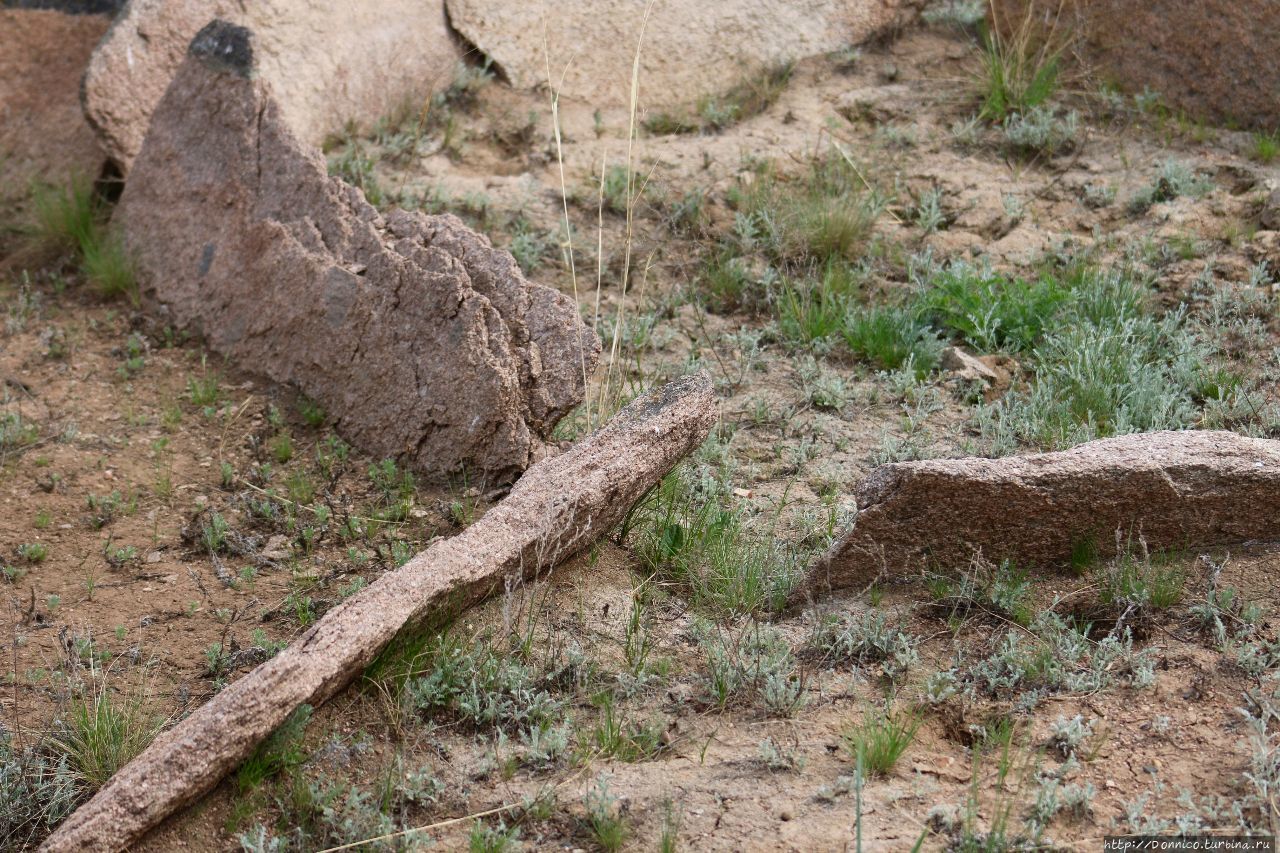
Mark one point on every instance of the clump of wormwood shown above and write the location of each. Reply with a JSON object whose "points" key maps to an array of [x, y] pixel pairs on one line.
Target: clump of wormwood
{"points": [[868, 638], [755, 662], [1050, 656]]}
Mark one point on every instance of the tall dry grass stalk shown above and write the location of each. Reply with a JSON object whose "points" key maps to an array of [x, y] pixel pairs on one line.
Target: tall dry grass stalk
{"points": [[564, 195], [608, 394]]}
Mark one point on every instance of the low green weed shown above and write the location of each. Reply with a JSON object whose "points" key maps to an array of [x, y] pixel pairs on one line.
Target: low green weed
{"points": [[281, 751], [1108, 367], [893, 337], [990, 311], [67, 218]]}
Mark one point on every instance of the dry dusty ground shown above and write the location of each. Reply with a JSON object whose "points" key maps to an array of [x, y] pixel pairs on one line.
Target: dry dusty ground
{"points": [[168, 519]]}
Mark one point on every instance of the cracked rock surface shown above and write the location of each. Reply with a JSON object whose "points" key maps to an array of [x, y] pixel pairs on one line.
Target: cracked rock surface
{"points": [[1172, 489], [420, 339]]}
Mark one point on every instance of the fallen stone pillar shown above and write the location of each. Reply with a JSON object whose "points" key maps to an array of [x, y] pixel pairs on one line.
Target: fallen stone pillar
{"points": [[419, 339], [1173, 489], [557, 508]]}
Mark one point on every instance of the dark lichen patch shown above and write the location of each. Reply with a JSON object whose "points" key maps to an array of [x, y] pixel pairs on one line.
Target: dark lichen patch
{"points": [[225, 45]]}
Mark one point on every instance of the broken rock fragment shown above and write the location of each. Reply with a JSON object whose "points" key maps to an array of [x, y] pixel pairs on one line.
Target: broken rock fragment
{"points": [[418, 338], [1172, 489], [991, 374]]}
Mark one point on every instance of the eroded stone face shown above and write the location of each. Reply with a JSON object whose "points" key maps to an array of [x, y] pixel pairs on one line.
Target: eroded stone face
{"points": [[43, 134], [689, 49], [419, 338], [1213, 59], [1172, 489], [329, 63]]}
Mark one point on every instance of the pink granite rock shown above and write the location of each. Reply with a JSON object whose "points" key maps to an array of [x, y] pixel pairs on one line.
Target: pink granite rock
{"points": [[419, 338], [689, 49], [1174, 489], [43, 134], [328, 63]]}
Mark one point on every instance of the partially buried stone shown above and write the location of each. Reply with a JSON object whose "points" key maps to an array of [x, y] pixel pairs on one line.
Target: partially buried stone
{"points": [[417, 336], [1168, 489]]}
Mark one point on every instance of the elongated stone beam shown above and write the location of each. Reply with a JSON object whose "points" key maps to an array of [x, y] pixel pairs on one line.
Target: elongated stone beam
{"points": [[560, 506], [1184, 489]]}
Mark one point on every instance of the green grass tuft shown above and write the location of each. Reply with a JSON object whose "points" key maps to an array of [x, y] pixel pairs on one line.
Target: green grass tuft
{"points": [[1019, 70], [1137, 579], [814, 310], [689, 533], [881, 740], [109, 267], [823, 216], [281, 751], [67, 217], [1266, 147], [71, 220], [728, 284], [101, 736]]}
